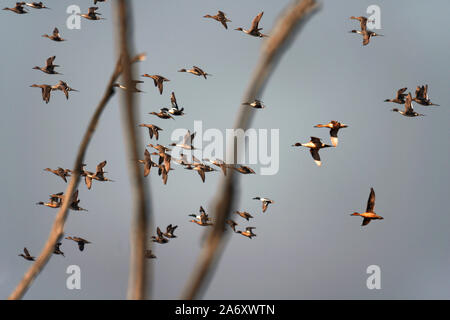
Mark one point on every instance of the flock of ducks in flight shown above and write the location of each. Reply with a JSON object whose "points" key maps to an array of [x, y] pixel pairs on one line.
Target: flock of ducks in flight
{"points": [[201, 167]]}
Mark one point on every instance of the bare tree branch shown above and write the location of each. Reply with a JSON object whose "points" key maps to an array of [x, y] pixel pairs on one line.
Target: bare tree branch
{"points": [[137, 281], [272, 50]]}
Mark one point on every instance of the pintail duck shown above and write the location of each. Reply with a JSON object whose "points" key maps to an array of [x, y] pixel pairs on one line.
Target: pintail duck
{"points": [[80, 241], [196, 71], [314, 146], [164, 173], [221, 17], [133, 88], [232, 224], [367, 34], [399, 98], [422, 96], [254, 30], [27, 255], [98, 175], [369, 215], [46, 91], [187, 142], [54, 202], [152, 130], [256, 104], [169, 231], [162, 114], [64, 87], [92, 15], [202, 169], [219, 163], [164, 157], [49, 66], [74, 201], [60, 172], [149, 254], [57, 250], [157, 80], [148, 163], [248, 232], [245, 215], [36, 5], [18, 8], [55, 36], [159, 238], [409, 110], [334, 128], [243, 169], [265, 202]]}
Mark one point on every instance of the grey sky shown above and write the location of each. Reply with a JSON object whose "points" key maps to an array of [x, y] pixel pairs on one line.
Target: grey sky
{"points": [[307, 245]]}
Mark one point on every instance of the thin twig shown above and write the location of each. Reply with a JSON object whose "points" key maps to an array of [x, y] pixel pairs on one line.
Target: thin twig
{"points": [[272, 50], [137, 281], [57, 230]]}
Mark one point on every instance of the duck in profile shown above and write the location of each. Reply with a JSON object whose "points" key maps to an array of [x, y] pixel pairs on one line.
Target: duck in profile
{"points": [[265, 202], [19, 9], [49, 66], [255, 104], [219, 163], [254, 29], [57, 249], [314, 146], [409, 110], [243, 169], [46, 91], [60, 172], [169, 231], [99, 175], [203, 215], [148, 163], [203, 221], [36, 5], [157, 80], [149, 254], [248, 232], [27, 255], [201, 169], [64, 87], [56, 36], [153, 130], [159, 238], [80, 241], [369, 215], [422, 96], [399, 98], [164, 157], [367, 34], [244, 214], [334, 128], [187, 142], [221, 17], [162, 114], [196, 71], [92, 14], [232, 224], [134, 88], [54, 201]]}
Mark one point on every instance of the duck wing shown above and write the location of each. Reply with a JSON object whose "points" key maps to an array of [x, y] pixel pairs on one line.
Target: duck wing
{"points": [[255, 22], [371, 201]]}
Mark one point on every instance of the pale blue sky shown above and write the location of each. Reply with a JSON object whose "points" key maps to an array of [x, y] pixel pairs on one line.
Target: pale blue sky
{"points": [[308, 246]]}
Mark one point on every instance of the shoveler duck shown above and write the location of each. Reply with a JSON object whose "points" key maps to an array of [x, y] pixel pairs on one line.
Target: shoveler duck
{"points": [[157, 80], [148, 163], [422, 96], [196, 71], [19, 9], [152, 130], [334, 128], [243, 169], [409, 110], [399, 98], [203, 216], [314, 146], [169, 231], [149, 254], [98, 175], [202, 222], [64, 87], [219, 163], [232, 224], [57, 249], [265, 202], [54, 201], [49, 66], [245, 215], [27, 255], [221, 17], [159, 238], [248, 232], [187, 142], [256, 104], [46, 91], [55, 36], [162, 114], [174, 110], [254, 30], [369, 215], [36, 5], [80, 241], [60, 172], [133, 89], [92, 15]]}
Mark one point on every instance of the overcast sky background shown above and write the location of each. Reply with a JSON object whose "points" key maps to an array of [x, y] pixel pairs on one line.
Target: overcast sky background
{"points": [[307, 245]]}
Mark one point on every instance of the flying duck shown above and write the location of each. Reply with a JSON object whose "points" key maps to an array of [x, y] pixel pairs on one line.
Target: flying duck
{"points": [[152, 130], [244, 214], [64, 87], [248, 232], [221, 17], [159, 238], [196, 71], [80, 241], [55, 36], [369, 214], [46, 91], [256, 104], [36, 5], [149, 254], [232, 224], [148, 163], [27, 255], [409, 110], [399, 98], [334, 128], [243, 169], [133, 88], [254, 30], [187, 142], [422, 96], [57, 250], [60, 172], [169, 231], [92, 15], [265, 202], [314, 146], [18, 8], [157, 80]]}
